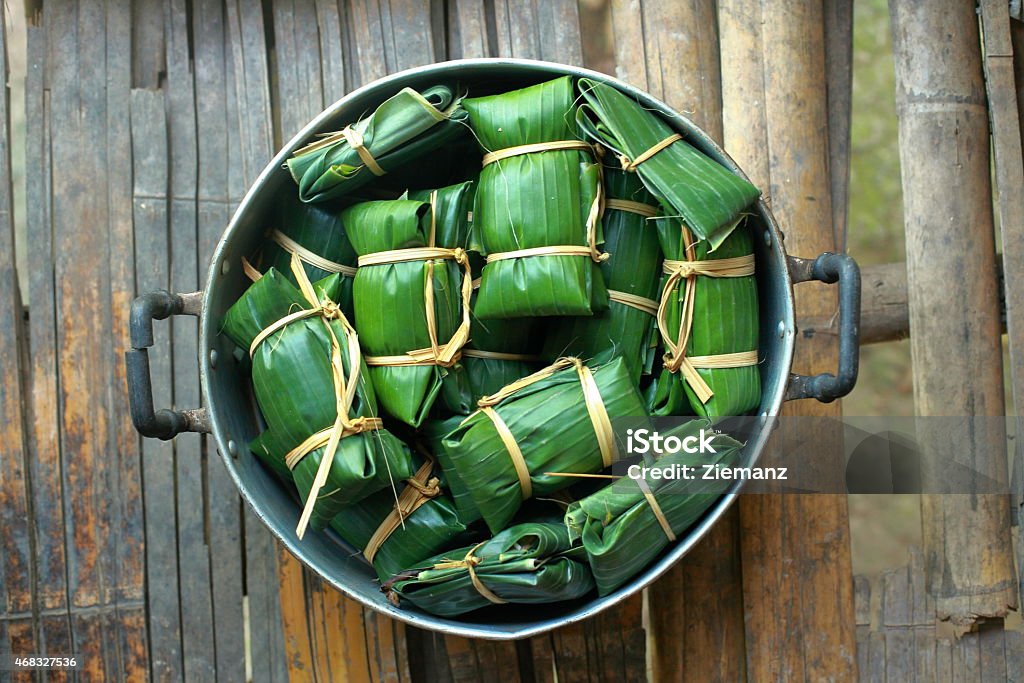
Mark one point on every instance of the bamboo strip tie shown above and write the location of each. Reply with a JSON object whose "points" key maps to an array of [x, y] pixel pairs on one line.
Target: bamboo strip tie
{"points": [[639, 208], [592, 399], [420, 489], [354, 138], [469, 563], [675, 359], [630, 166], [596, 207], [640, 303], [659, 514], [307, 256], [497, 355], [344, 387]]}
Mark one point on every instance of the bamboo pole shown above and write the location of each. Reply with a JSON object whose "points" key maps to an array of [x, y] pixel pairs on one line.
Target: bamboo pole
{"points": [[798, 586], [953, 297]]}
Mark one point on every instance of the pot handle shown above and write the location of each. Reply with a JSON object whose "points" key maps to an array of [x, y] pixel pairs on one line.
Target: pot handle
{"points": [[163, 424], [831, 268]]}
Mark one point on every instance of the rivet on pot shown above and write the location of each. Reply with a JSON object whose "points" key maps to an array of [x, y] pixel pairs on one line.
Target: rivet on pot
{"points": [[213, 358], [232, 448], [225, 267], [782, 329], [768, 238]]}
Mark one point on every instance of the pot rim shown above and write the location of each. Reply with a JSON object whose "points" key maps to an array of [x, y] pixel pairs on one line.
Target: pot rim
{"points": [[496, 631]]}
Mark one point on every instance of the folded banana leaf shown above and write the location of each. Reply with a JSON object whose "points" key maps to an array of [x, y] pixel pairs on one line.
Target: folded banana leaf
{"points": [[618, 525], [413, 271], [434, 432], [294, 383], [724, 321], [530, 563], [405, 127], [556, 420], [271, 451], [631, 273], [536, 199], [320, 240], [701, 191], [429, 523]]}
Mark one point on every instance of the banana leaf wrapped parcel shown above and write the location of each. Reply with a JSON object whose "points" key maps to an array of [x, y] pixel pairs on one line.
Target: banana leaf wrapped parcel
{"points": [[394, 535], [405, 127], [538, 205], [705, 194], [625, 525], [557, 420], [529, 563], [708, 320], [310, 382], [631, 273], [411, 295], [320, 241]]}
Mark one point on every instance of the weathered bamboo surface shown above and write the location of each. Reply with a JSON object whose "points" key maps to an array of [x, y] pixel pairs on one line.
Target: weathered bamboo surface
{"points": [[954, 320], [145, 123]]}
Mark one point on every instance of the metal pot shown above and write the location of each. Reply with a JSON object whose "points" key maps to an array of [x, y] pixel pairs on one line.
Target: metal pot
{"points": [[230, 414]]}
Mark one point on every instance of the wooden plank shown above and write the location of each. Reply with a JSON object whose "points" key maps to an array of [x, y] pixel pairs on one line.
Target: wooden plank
{"points": [[795, 549], [1014, 644], [197, 621], [745, 128], [267, 632], [897, 611], [149, 65], [125, 476], [252, 86], [839, 70], [967, 659], [539, 30], [44, 442], [16, 541], [223, 507], [1006, 122], [467, 30], [78, 58], [992, 652], [941, 107], [150, 159], [876, 659], [298, 80], [333, 62]]}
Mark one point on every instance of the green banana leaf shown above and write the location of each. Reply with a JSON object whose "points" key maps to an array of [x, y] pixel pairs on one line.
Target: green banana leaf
{"points": [[477, 376], [725, 320], [318, 231], [551, 425], [389, 299], [535, 200], [634, 267], [293, 382], [617, 525], [701, 191], [271, 451], [405, 127], [428, 530], [434, 432], [530, 563]]}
